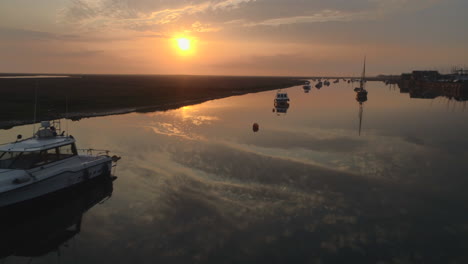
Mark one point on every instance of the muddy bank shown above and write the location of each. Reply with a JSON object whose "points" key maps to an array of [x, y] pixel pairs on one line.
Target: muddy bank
{"points": [[99, 95]]}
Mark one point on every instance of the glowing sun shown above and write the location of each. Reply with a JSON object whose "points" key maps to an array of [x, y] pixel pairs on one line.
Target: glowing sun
{"points": [[183, 43]]}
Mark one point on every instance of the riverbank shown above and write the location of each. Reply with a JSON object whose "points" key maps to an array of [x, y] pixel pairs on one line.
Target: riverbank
{"points": [[101, 95]]}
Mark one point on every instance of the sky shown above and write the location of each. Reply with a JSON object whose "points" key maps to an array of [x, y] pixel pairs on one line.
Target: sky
{"points": [[232, 37]]}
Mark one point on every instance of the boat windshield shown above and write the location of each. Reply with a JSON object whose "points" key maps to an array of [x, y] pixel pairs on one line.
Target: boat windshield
{"points": [[31, 159]]}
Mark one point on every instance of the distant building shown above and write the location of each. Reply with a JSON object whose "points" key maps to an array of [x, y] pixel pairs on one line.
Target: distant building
{"points": [[425, 75], [431, 84]]}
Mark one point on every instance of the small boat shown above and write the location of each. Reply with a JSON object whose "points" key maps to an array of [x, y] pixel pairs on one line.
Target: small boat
{"points": [[281, 98], [326, 83], [337, 81], [319, 85], [361, 92], [46, 163]]}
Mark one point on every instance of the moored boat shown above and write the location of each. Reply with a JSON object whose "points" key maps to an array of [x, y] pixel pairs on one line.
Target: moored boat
{"points": [[281, 98], [361, 92], [319, 85], [46, 163]]}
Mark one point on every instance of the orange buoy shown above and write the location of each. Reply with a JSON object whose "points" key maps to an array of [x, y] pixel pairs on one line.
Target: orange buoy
{"points": [[255, 127]]}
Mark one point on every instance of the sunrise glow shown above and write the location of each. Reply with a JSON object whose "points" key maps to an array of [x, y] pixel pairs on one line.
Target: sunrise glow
{"points": [[183, 44]]}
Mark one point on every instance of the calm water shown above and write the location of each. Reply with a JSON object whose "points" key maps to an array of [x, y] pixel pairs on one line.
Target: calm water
{"points": [[197, 185]]}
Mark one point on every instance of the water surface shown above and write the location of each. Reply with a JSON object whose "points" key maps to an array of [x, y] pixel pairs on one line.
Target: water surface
{"points": [[197, 185]]}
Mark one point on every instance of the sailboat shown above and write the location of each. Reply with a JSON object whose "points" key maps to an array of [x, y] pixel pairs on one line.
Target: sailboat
{"points": [[361, 92], [361, 95]]}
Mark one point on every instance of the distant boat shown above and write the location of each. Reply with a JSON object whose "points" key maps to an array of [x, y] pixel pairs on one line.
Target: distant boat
{"points": [[307, 88], [337, 81], [361, 95], [327, 83], [361, 92], [319, 85], [281, 98]]}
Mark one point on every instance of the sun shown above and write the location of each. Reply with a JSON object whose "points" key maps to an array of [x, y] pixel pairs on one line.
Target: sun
{"points": [[183, 43]]}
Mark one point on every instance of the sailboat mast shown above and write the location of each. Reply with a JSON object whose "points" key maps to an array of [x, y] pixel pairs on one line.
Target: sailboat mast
{"points": [[364, 70], [363, 76]]}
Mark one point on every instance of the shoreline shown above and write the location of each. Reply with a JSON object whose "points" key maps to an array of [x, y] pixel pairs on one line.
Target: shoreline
{"points": [[75, 116]]}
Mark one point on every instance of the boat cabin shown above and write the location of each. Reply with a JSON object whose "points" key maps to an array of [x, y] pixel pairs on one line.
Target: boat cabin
{"points": [[33, 153], [44, 148], [282, 97]]}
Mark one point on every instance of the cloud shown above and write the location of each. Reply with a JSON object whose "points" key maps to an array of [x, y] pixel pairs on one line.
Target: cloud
{"points": [[102, 14], [22, 34], [374, 10], [79, 53], [201, 16], [18, 34], [322, 16], [199, 27]]}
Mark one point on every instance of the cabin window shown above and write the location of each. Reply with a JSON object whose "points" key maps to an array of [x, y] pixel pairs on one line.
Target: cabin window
{"points": [[47, 156], [67, 151], [25, 160], [31, 159], [7, 158]]}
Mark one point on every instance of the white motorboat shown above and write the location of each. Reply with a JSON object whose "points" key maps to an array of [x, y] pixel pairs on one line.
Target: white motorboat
{"points": [[281, 98], [46, 163]]}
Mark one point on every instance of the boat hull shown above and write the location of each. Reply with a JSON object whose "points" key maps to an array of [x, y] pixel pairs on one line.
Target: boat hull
{"points": [[55, 183], [281, 103]]}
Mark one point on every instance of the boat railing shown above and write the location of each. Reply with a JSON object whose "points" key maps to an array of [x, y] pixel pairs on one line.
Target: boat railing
{"points": [[95, 152], [100, 153]]}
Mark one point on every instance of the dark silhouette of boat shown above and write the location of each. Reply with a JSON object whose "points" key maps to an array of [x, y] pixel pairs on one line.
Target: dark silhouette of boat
{"points": [[361, 95], [33, 229], [361, 92], [319, 85]]}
